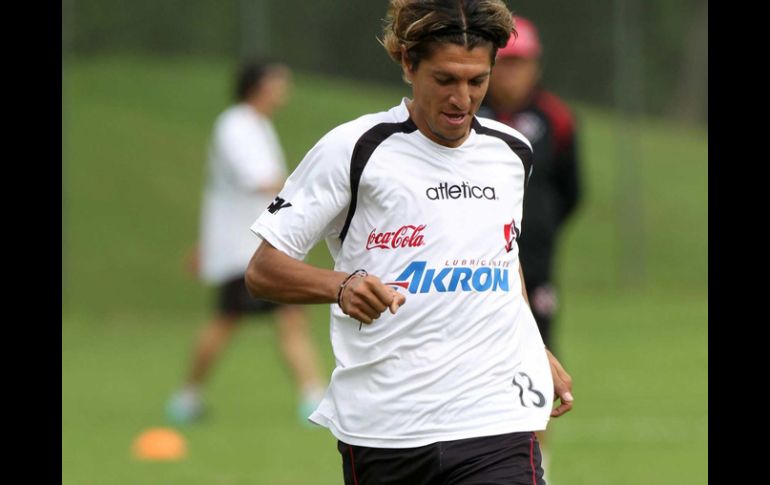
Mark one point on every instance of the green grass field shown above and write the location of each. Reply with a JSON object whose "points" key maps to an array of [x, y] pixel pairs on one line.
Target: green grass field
{"points": [[135, 134]]}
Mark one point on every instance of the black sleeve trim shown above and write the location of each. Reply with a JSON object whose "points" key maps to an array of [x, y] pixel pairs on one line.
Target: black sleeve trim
{"points": [[363, 150]]}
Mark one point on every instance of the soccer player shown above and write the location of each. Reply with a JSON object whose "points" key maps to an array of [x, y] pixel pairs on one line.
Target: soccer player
{"points": [[245, 170], [441, 374], [516, 98]]}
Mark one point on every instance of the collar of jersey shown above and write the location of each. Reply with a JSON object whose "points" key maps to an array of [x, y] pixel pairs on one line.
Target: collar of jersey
{"points": [[402, 113]]}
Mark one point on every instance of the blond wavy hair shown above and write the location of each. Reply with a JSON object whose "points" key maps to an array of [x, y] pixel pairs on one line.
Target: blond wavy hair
{"points": [[419, 25]]}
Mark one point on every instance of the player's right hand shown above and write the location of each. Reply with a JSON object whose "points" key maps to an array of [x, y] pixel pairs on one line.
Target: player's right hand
{"points": [[365, 298]]}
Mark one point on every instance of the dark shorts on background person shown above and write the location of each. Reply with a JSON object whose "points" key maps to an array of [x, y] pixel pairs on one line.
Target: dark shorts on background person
{"points": [[508, 459], [233, 297]]}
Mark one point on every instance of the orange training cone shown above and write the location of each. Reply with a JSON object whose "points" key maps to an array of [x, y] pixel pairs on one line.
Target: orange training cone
{"points": [[160, 444]]}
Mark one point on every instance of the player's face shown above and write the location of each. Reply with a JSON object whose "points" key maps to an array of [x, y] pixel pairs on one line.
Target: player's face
{"points": [[447, 89], [512, 82]]}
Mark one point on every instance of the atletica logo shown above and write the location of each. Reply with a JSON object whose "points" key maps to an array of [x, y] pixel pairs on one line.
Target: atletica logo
{"points": [[463, 191], [277, 205], [406, 236], [417, 279]]}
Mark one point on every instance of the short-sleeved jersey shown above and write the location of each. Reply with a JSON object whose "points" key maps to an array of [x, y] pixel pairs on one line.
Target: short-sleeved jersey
{"points": [[463, 356], [244, 158]]}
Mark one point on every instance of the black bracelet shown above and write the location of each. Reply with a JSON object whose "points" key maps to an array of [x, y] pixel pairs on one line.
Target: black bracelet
{"points": [[358, 272]]}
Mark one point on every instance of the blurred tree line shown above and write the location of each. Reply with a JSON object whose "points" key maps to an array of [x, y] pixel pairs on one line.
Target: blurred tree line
{"points": [[667, 63]]}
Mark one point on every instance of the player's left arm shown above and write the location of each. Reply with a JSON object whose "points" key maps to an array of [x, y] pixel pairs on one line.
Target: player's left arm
{"points": [[562, 381], [562, 386]]}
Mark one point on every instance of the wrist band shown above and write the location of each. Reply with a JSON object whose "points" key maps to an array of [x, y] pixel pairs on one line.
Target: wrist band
{"points": [[358, 272]]}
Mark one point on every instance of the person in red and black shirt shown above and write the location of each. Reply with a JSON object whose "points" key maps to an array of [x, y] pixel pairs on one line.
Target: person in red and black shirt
{"points": [[516, 98]]}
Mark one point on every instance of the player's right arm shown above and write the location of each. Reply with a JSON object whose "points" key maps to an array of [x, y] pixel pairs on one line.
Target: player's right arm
{"points": [[312, 205], [275, 276]]}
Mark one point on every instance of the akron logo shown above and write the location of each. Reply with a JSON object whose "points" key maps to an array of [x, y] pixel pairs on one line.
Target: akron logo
{"points": [[417, 278]]}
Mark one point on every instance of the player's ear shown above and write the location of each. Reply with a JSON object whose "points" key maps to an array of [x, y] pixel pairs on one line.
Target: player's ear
{"points": [[405, 65]]}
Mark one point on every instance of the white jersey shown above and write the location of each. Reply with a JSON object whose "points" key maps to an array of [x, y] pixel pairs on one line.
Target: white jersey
{"points": [[463, 357], [244, 158]]}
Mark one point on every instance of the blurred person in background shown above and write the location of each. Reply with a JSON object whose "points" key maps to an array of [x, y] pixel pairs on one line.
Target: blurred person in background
{"points": [[516, 98], [246, 168], [441, 373]]}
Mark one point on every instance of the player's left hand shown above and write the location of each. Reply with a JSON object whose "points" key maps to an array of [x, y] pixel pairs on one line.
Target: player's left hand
{"points": [[562, 386]]}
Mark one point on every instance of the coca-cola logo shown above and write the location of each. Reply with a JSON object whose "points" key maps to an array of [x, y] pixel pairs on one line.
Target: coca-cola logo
{"points": [[404, 237]]}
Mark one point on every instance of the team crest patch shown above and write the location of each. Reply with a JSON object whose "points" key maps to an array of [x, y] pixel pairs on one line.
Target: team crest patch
{"points": [[511, 233]]}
